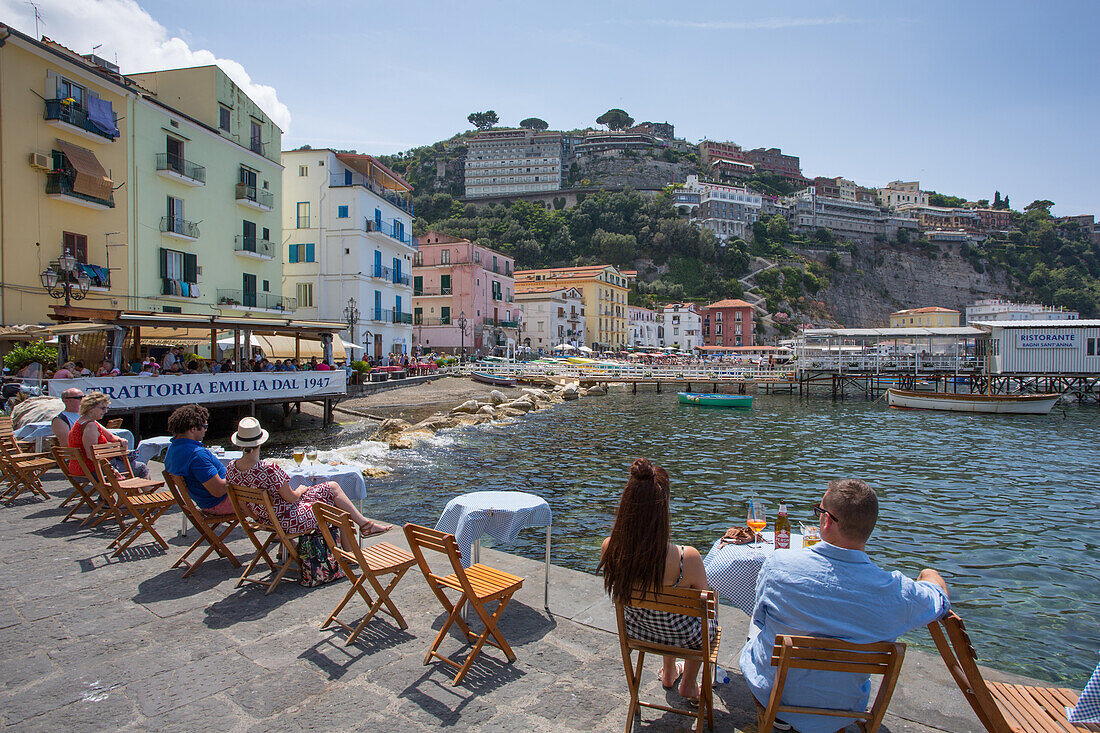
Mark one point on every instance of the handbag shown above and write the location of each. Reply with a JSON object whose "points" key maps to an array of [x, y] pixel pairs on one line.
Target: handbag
{"points": [[318, 563]]}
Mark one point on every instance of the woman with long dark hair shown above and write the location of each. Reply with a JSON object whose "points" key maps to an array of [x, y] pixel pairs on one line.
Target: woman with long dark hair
{"points": [[638, 556]]}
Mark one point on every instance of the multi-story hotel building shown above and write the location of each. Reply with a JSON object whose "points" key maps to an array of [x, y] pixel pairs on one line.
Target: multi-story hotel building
{"points": [[772, 160], [847, 219], [943, 218], [932, 316], [728, 322], [500, 162], [604, 290], [551, 316], [1004, 310], [728, 211], [647, 327], [348, 245], [897, 193], [463, 296], [683, 326]]}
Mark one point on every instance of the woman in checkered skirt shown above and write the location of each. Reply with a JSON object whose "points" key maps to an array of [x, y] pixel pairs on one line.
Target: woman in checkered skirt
{"points": [[639, 556]]}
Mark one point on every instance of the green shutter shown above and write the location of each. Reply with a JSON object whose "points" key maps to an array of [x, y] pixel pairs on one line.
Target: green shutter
{"points": [[190, 268], [163, 262]]}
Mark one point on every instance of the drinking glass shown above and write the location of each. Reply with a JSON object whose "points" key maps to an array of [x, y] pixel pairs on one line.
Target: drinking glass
{"points": [[299, 456], [756, 520]]}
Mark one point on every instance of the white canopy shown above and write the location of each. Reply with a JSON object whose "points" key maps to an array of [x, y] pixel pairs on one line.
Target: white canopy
{"points": [[585, 349], [282, 347]]}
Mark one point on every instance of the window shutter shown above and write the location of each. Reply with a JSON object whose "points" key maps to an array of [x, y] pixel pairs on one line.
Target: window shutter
{"points": [[163, 262], [309, 252], [190, 268], [292, 253]]}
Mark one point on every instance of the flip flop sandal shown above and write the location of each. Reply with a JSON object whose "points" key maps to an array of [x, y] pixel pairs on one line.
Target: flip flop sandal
{"points": [[376, 529], [679, 675]]}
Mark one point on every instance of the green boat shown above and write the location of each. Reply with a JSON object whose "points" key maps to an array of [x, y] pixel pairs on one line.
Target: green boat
{"points": [[715, 400]]}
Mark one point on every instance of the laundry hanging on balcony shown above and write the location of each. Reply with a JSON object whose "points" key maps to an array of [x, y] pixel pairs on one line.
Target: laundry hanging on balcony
{"points": [[91, 179], [102, 115], [99, 276]]}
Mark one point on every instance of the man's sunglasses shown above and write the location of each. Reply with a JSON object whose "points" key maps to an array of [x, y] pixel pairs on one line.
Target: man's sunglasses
{"points": [[819, 510]]}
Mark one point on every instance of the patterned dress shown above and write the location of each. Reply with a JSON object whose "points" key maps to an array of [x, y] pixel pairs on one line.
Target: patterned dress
{"points": [[294, 518], [663, 627]]}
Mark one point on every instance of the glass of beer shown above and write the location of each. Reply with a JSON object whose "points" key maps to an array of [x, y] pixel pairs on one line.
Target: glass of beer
{"points": [[756, 520], [299, 456], [811, 535]]}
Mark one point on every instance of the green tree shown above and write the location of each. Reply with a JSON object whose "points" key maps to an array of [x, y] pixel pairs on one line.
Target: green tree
{"points": [[615, 119], [778, 229], [534, 123], [997, 200], [483, 120], [1039, 206], [940, 199]]}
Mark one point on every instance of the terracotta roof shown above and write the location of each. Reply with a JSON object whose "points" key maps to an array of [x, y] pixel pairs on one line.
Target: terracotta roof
{"points": [[730, 303], [929, 309]]}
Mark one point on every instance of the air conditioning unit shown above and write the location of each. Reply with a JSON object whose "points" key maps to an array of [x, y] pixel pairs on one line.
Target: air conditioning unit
{"points": [[42, 162]]}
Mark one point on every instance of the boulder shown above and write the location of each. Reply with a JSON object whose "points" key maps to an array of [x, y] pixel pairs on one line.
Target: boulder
{"points": [[375, 471], [497, 397], [468, 407], [521, 405], [595, 391], [409, 439], [538, 394], [436, 422], [506, 411], [36, 409], [389, 428], [487, 410], [571, 392]]}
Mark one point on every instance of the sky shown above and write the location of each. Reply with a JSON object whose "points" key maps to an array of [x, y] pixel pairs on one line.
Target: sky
{"points": [[966, 97]]}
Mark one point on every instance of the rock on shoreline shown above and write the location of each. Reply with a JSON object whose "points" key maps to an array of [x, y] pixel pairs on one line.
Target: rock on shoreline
{"points": [[495, 407]]}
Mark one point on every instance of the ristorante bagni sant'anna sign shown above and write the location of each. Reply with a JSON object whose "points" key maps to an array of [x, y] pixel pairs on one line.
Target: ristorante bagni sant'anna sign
{"points": [[1047, 340], [150, 392]]}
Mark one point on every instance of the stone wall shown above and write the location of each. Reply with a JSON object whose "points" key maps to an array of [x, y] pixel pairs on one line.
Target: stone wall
{"points": [[625, 170]]}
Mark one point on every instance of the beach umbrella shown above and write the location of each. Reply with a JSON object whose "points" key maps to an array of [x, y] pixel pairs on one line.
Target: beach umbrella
{"points": [[585, 349]]}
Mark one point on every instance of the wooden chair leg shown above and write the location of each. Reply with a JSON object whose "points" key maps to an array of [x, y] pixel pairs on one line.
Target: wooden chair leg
{"points": [[455, 609], [214, 542], [634, 683], [384, 596], [143, 522], [490, 628]]}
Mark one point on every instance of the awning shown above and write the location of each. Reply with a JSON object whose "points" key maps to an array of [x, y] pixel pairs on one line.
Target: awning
{"points": [[91, 179], [168, 336]]}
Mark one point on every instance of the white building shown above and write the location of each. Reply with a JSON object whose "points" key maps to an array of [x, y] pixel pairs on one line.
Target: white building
{"points": [[897, 193], [683, 326], [1003, 310], [500, 162], [728, 211], [552, 317], [349, 246], [1051, 347], [646, 327]]}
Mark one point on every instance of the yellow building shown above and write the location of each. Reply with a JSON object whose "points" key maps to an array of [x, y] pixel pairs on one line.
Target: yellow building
{"points": [[604, 291], [63, 169], [932, 316]]}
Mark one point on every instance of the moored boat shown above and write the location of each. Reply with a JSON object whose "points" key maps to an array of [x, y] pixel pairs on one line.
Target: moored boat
{"points": [[1018, 404], [715, 400], [493, 379]]}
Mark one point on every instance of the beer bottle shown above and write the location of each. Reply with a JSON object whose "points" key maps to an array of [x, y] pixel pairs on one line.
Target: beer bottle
{"points": [[782, 528]]}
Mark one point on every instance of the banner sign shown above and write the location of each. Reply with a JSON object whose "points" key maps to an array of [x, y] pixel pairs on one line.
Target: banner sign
{"points": [[205, 389], [1056, 340]]}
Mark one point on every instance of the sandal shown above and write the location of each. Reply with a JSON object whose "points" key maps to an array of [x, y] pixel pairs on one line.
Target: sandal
{"points": [[375, 528], [679, 675]]}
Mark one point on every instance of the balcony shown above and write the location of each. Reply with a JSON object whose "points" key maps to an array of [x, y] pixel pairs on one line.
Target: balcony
{"points": [[176, 168], [399, 317], [399, 279], [59, 186], [177, 228], [256, 247], [399, 199], [382, 273], [431, 321], [178, 289], [260, 301], [509, 324], [432, 293], [390, 230], [71, 116], [254, 198]]}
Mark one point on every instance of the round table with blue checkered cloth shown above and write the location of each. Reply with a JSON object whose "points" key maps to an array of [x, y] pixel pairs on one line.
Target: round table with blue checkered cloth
{"points": [[732, 569], [1088, 705]]}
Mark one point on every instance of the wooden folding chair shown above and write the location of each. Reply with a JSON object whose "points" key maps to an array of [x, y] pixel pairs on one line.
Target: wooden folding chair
{"points": [[479, 584], [244, 498], [21, 468], [373, 562], [701, 604], [114, 423], [84, 490], [1002, 707], [833, 655], [137, 497], [204, 522]]}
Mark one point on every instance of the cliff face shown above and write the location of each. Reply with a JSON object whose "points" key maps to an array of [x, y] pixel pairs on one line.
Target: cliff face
{"points": [[882, 279]]}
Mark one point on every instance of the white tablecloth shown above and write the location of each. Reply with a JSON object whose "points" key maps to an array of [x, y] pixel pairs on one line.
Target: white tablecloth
{"points": [[349, 478], [732, 570], [36, 431], [151, 448], [499, 514]]}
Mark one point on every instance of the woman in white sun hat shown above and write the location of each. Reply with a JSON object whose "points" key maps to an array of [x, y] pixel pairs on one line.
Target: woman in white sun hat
{"points": [[293, 507]]}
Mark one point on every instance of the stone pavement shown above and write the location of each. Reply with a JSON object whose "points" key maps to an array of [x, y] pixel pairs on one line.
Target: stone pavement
{"points": [[90, 643]]}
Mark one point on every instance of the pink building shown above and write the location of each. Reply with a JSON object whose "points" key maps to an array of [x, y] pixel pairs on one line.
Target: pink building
{"points": [[463, 296]]}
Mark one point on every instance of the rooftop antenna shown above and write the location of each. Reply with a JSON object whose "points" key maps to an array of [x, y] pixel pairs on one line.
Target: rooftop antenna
{"points": [[37, 18], [98, 45]]}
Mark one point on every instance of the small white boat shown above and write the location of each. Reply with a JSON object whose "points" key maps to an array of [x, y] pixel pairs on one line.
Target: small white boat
{"points": [[1018, 404]]}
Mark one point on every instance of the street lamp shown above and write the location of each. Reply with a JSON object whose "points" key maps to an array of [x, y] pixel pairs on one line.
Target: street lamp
{"points": [[462, 330], [62, 279], [351, 316]]}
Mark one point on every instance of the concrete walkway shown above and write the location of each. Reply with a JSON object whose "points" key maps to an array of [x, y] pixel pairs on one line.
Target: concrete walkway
{"points": [[90, 643]]}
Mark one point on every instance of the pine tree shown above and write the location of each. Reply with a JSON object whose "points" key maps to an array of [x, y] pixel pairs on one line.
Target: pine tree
{"points": [[997, 200]]}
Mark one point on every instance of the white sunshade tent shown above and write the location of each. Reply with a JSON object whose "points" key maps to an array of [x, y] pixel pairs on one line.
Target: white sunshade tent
{"points": [[585, 349], [563, 347], [282, 347]]}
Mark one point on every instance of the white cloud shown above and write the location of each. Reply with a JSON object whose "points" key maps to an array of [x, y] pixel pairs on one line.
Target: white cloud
{"points": [[142, 44]]}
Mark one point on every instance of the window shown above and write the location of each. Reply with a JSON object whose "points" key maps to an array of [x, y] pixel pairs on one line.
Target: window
{"points": [[444, 284], [341, 212], [77, 246], [301, 253], [305, 295], [1091, 345], [418, 316], [347, 177], [445, 315], [180, 267], [175, 215], [445, 256], [267, 286], [248, 288], [303, 171], [267, 235], [256, 137], [68, 90], [223, 118], [303, 215]]}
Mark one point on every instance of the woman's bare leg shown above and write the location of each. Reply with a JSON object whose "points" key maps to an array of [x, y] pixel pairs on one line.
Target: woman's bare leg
{"points": [[341, 500], [689, 685]]}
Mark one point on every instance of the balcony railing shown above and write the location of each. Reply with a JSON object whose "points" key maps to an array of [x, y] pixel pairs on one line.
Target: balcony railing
{"points": [[74, 115], [432, 293], [267, 301], [176, 164], [389, 229], [400, 279], [389, 315], [60, 183], [182, 227], [398, 199], [178, 289], [489, 321], [399, 317], [254, 245], [509, 324], [431, 321], [383, 273], [257, 196]]}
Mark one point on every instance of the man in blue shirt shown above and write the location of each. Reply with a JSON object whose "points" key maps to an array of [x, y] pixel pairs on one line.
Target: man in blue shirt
{"points": [[200, 469], [833, 590]]}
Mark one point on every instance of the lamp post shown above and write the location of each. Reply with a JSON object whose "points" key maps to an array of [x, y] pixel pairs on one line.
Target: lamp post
{"points": [[351, 317], [462, 330], [62, 279]]}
